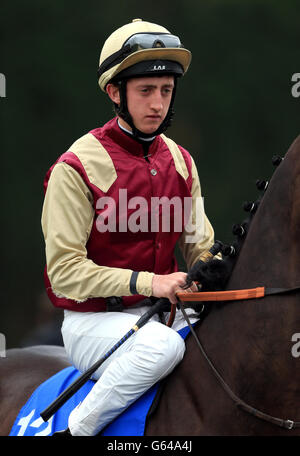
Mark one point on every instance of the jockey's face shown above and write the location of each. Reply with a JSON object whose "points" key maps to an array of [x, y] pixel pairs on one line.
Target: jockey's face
{"points": [[148, 101]]}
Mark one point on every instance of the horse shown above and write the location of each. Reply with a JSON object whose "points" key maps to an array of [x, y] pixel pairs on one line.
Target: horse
{"points": [[249, 341]]}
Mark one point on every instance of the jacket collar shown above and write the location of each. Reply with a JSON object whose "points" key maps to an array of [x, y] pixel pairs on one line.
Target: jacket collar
{"points": [[125, 140]]}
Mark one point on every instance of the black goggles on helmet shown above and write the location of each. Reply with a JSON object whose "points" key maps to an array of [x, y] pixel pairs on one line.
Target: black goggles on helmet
{"points": [[138, 42]]}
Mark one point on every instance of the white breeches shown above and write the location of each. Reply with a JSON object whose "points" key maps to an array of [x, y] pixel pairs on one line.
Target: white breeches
{"points": [[146, 357]]}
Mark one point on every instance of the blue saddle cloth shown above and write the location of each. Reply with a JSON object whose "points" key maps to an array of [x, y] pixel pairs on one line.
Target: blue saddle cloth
{"points": [[29, 422]]}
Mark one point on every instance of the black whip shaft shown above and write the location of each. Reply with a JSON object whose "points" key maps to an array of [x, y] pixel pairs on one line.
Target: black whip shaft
{"points": [[82, 379]]}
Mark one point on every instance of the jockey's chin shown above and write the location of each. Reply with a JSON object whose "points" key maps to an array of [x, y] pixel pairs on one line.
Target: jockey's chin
{"points": [[147, 125], [150, 124]]}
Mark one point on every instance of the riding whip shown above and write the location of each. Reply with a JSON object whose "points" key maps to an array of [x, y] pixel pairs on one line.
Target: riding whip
{"points": [[79, 382]]}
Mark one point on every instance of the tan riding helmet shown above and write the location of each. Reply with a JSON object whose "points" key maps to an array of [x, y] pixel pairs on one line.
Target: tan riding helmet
{"points": [[136, 42]]}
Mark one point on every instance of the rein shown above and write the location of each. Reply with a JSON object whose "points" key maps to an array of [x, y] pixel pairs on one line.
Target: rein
{"points": [[232, 295]]}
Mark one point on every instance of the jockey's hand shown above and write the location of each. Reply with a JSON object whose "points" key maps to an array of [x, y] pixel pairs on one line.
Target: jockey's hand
{"points": [[166, 286]]}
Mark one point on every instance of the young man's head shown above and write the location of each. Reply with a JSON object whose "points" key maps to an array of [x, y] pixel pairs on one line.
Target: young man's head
{"points": [[148, 101], [139, 66]]}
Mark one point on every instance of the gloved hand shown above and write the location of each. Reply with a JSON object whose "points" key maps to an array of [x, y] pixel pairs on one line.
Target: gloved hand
{"points": [[212, 275]]}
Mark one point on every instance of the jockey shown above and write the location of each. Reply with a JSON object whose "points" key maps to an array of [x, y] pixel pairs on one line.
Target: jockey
{"points": [[106, 232]]}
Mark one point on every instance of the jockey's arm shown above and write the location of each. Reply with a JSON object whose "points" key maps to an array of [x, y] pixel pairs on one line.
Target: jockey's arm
{"points": [[67, 220]]}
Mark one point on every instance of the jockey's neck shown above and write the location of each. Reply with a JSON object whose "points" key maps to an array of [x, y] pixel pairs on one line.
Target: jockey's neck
{"points": [[129, 132]]}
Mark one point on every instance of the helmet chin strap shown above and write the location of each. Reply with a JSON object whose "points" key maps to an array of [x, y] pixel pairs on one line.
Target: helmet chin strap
{"points": [[123, 112]]}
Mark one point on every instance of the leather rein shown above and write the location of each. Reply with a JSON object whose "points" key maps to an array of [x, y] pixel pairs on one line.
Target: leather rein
{"points": [[231, 295]]}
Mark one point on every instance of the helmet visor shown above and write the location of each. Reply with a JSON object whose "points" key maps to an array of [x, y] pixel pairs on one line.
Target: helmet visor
{"points": [[151, 40], [138, 42]]}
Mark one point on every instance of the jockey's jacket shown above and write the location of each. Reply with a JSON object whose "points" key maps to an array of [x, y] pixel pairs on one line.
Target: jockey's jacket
{"points": [[100, 220]]}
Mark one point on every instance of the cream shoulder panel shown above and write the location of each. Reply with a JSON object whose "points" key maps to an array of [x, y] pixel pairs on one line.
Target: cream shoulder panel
{"points": [[179, 161], [95, 160]]}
